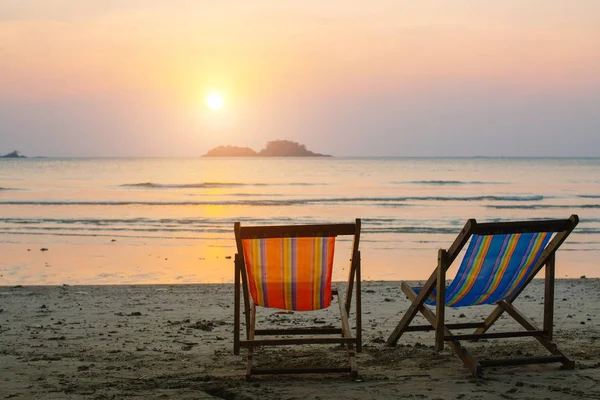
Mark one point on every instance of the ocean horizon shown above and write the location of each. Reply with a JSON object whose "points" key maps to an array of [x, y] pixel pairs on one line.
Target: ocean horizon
{"points": [[30, 157]]}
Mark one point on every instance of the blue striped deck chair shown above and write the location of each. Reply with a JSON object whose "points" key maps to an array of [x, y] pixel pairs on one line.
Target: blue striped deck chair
{"points": [[290, 268], [501, 260]]}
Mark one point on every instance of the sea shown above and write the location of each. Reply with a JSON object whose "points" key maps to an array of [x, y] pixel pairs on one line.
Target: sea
{"points": [[170, 220]]}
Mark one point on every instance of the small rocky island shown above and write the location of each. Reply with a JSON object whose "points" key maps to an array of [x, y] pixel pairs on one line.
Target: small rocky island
{"points": [[13, 154], [274, 148]]}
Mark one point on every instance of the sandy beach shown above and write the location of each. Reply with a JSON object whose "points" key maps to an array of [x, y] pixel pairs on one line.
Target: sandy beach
{"points": [[175, 341]]}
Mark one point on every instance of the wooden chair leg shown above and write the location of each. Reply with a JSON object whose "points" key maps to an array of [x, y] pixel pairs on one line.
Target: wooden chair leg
{"points": [[462, 353], [412, 310], [251, 337], [548, 301], [440, 301], [236, 307], [490, 320], [347, 333], [358, 308], [547, 256], [549, 296], [544, 340], [460, 241], [249, 363]]}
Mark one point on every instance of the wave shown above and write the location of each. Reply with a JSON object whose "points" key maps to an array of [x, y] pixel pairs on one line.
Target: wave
{"points": [[111, 235], [192, 222], [413, 229], [472, 198], [210, 185], [444, 230], [449, 183], [582, 231], [382, 228], [225, 230], [582, 221], [589, 196], [443, 198], [215, 228], [369, 224], [288, 202], [121, 229], [149, 221], [540, 206]]}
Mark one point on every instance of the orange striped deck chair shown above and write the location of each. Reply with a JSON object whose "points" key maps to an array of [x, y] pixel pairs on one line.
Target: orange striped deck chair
{"points": [[501, 260], [290, 268]]}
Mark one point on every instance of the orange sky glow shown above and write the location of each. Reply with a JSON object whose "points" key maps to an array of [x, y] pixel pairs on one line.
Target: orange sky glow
{"points": [[271, 57]]}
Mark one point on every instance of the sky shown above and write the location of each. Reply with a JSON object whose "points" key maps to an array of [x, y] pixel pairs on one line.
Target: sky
{"points": [[378, 78]]}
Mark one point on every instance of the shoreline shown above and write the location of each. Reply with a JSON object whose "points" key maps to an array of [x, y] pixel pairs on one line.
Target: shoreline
{"points": [[101, 261], [364, 281], [175, 341]]}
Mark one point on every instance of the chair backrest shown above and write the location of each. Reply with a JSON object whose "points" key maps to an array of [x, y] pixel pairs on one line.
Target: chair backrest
{"points": [[494, 266], [502, 258], [290, 267]]}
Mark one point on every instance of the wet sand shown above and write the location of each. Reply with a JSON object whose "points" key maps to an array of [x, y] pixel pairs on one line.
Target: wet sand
{"points": [[175, 341]]}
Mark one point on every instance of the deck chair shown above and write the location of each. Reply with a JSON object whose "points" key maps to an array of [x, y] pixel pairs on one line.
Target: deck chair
{"points": [[500, 261], [290, 268]]}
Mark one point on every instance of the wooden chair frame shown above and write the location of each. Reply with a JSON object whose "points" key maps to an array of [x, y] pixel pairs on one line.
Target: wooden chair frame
{"points": [[345, 335], [438, 280]]}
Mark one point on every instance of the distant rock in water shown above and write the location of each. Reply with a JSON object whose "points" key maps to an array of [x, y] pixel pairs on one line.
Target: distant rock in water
{"points": [[274, 148], [287, 148], [14, 154], [231, 151]]}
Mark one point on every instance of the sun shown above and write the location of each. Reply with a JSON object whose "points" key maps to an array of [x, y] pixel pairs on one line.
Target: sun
{"points": [[214, 100]]}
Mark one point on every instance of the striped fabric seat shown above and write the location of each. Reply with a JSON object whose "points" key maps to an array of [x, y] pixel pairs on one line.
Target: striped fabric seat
{"points": [[290, 273], [493, 268]]}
